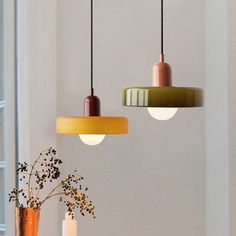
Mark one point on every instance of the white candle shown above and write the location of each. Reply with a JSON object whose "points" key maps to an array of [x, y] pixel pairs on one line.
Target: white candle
{"points": [[69, 226]]}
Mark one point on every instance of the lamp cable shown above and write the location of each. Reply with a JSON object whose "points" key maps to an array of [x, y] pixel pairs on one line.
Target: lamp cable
{"points": [[162, 28], [92, 89]]}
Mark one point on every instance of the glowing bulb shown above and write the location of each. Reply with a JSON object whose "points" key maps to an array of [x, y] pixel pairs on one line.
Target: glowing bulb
{"points": [[162, 113], [92, 139]]}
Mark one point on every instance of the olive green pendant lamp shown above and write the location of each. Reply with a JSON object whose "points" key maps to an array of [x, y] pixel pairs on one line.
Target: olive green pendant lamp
{"points": [[162, 99], [92, 127]]}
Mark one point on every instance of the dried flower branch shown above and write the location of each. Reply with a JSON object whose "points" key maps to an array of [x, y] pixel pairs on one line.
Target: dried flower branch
{"points": [[45, 170]]}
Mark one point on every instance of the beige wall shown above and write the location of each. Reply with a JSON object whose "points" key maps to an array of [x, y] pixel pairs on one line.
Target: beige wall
{"points": [[37, 90], [164, 178], [220, 117], [216, 119], [232, 112], [152, 181]]}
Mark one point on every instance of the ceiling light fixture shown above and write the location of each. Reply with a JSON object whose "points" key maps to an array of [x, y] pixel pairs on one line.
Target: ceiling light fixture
{"points": [[92, 127], [162, 99]]}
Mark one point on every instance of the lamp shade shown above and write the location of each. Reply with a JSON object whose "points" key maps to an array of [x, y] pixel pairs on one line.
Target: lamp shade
{"points": [[92, 125], [163, 97]]}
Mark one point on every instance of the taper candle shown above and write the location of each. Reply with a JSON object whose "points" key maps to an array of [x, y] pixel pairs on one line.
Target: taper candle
{"points": [[69, 226]]}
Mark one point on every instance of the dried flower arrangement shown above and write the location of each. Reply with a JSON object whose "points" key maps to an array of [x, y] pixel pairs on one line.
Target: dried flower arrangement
{"points": [[45, 170]]}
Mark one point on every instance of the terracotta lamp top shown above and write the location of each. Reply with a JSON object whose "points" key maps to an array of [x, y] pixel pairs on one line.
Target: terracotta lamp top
{"points": [[161, 76]]}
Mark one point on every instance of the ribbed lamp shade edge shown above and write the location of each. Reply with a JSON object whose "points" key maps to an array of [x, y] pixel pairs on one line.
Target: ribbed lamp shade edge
{"points": [[163, 97]]}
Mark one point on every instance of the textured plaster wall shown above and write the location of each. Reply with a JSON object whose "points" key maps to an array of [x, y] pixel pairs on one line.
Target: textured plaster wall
{"points": [[232, 112], [152, 181]]}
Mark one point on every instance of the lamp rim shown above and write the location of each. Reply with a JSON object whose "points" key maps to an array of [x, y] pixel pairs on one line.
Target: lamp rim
{"points": [[168, 96], [92, 125]]}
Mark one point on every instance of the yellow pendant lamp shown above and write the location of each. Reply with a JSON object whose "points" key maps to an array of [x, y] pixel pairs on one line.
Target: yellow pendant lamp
{"points": [[92, 127], [162, 99]]}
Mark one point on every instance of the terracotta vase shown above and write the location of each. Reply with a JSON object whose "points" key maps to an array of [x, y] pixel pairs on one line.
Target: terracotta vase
{"points": [[27, 221]]}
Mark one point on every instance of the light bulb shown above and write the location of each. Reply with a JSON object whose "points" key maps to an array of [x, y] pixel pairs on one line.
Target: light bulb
{"points": [[92, 139], [162, 113]]}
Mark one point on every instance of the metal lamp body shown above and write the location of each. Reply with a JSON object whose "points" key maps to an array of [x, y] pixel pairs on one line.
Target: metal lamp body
{"points": [[161, 74], [162, 93], [92, 106], [92, 123]]}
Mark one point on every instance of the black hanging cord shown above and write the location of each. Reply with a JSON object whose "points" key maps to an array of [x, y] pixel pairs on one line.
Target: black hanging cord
{"points": [[162, 33], [91, 47]]}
